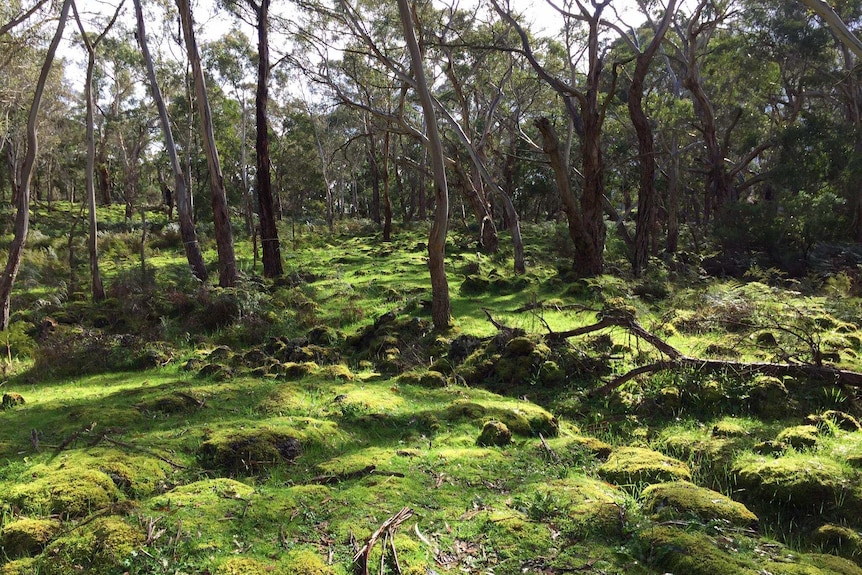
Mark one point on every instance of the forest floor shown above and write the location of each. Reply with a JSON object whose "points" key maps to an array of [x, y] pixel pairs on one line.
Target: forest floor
{"points": [[318, 425]]}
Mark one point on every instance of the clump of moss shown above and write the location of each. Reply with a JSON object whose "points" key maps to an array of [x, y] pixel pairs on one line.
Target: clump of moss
{"points": [[579, 505], [11, 400], [26, 537], [494, 433], [305, 562], [245, 451], [433, 379], [839, 540], [172, 404], [769, 448], [728, 428], [595, 447], [522, 418], [337, 371], [692, 553], [245, 566], [683, 499], [70, 492], [800, 482], [635, 465], [25, 566], [98, 547], [768, 397], [832, 565], [839, 419], [799, 436]]}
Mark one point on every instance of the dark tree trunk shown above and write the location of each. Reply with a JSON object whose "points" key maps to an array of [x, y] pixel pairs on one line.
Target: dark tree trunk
{"points": [[387, 201], [272, 266]]}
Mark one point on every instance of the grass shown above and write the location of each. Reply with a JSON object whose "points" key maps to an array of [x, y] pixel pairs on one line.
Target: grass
{"points": [[274, 464]]}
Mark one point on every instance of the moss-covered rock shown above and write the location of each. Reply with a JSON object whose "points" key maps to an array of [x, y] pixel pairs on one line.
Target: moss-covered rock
{"points": [[25, 566], [802, 482], [71, 491], [172, 404], [769, 447], [494, 433], [27, 537], [832, 565], [337, 371], [579, 505], [677, 551], [839, 540], [249, 450], [799, 436], [768, 397], [522, 418], [681, 499], [595, 447], [839, 419], [433, 379], [11, 400], [636, 465], [98, 547], [728, 428]]}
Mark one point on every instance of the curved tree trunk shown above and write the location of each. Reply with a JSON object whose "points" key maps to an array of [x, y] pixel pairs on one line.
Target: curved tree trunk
{"points": [[272, 266], [440, 306], [221, 218], [22, 218], [184, 207]]}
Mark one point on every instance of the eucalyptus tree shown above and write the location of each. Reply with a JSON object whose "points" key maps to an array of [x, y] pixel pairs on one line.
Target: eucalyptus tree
{"points": [[187, 228], [22, 218], [221, 217], [91, 45]]}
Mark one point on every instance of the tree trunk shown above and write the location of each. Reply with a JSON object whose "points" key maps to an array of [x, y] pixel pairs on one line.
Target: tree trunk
{"points": [[272, 266], [184, 207], [221, 217], [92, 241], [672, 204], [646, 146], [22, 218], [440, 306], [588, 256], [387, 201]]}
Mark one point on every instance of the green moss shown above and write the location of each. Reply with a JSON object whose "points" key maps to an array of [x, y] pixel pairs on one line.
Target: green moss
{"points": [[729, 428], [70, 491], [798, 481], [833, 565], [839, 419], [355, 461], [494, 433], [799, 436], [768, 397], [432, 379], [580, 505], [522, 418], [296, 370], [27, 536], [25, 566], [681, 499], [839, 540], [305, 562], [338, 371], [11, 400], [691, 553], [635, 465], [101, 546], [595, 447], [249, 450], [246, 566]]}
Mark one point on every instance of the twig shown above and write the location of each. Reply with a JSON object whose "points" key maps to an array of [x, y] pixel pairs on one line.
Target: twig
{"points": [[143, 450], [551, 453], [388, 527]]}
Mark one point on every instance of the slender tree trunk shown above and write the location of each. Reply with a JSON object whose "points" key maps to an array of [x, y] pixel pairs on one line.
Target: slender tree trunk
{"points": [[272, 266], [246, 192], [22, 218], [440, 306], [672, 204], [646, 146], [387, 201], [92, 241], [184, 207], [221, 217]]}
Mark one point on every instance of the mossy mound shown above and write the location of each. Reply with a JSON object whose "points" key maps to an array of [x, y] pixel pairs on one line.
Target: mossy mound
{"points": [[25, 566], [249, 450], [27, 537], [799, 437], [494, 433], [801, 482], [174, 403], [636, 465], [68, 491], [839, 419], [677, 551], [681, 499], [595, 447], [580, 505], [728, 428], [385, 341], [839, 540], [832, 565], [337, 371], [769, 398], [247, 566], [305, 562], [11, 400], [522, 418], [697, 444], [98, 547]]}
